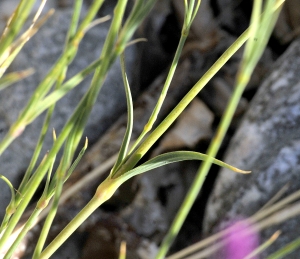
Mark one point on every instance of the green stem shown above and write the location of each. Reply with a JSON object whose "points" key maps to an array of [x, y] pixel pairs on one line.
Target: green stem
{"points": [[75, 17], [166, 123], [251, 57], [189, 17], [36, 180], [18, 127], [201, 174], [108, 56], [16, 24], [35, 156], [48, 221], [29, 224], [105, 190], [163, 94], [10, 209]]}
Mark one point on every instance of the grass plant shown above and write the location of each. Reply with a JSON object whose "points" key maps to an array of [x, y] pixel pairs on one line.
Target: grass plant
{"points": [[54, 86]]}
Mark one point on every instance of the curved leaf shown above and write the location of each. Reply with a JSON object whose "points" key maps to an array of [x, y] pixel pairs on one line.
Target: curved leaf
{"points": [[173, 157], [10, 207], [127, 136], [10, 186]]}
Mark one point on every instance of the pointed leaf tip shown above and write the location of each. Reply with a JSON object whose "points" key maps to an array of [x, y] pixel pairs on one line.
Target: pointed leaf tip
{"points": [[54, 134], [86, 143], [241, 171]]}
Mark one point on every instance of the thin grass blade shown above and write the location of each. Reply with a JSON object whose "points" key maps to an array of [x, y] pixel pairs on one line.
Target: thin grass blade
{"points": [[55, 189], [184, 33], [286, 250], [173, 157], [15, 24], [263, 246], [124, 147], [60, 92], [14, 49], [14, 77], [77, 160], [242, 80], [10, 207]]}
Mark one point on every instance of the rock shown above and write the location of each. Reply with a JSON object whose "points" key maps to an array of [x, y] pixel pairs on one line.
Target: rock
{"points": [[268, 143], [158, 198], [193, 126], [40, 53]]}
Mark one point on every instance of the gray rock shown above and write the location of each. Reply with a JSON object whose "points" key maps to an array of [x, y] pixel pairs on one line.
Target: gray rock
{"points": [[268, 143], [40, 53]]}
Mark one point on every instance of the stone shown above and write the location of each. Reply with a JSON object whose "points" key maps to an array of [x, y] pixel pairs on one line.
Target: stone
{"points": [[193, 126], [40, 53], [268, 143]]}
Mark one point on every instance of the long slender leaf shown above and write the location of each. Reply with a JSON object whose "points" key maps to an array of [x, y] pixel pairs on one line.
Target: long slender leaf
{"points": [[284, 251], [127, 136], [14, 77], [11, 206], [58, 85], [13, 50], [263, 246], [57, 94], [173, 157], [55, 189], [243, 78], [15, 24], [184, 34], [41, 205]]}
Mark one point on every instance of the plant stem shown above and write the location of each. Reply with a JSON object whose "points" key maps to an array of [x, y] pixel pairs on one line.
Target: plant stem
{"points": [[189, 17], [163, 94], [43, 88], [48, 222], [201, 174], [30, 222], [248, 64], [35, 182], [18, 20], [166, 123], [105, 190]]}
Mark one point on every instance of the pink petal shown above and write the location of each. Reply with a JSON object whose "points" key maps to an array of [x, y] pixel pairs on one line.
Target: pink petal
{"points": [[241, 240]]}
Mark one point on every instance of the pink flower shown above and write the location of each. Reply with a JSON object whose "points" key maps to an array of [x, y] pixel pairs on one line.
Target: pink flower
{"points": [[241, 240]]}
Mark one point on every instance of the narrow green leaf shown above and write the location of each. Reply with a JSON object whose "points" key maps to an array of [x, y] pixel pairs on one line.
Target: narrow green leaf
{"points": [[184, 33], [173, 157], [13, 77], [127, 136], [254, 26], [9, 185], [243, 77], [77, 160], [139, 11], [10, 207], [57, 94], [13, 50], [283, 252], [195, 11], [263, 246], [56, 190], [15, 24]]}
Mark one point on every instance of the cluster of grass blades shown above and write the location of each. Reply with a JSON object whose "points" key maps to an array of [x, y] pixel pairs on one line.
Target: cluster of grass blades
{"points": [[54, 87]]}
